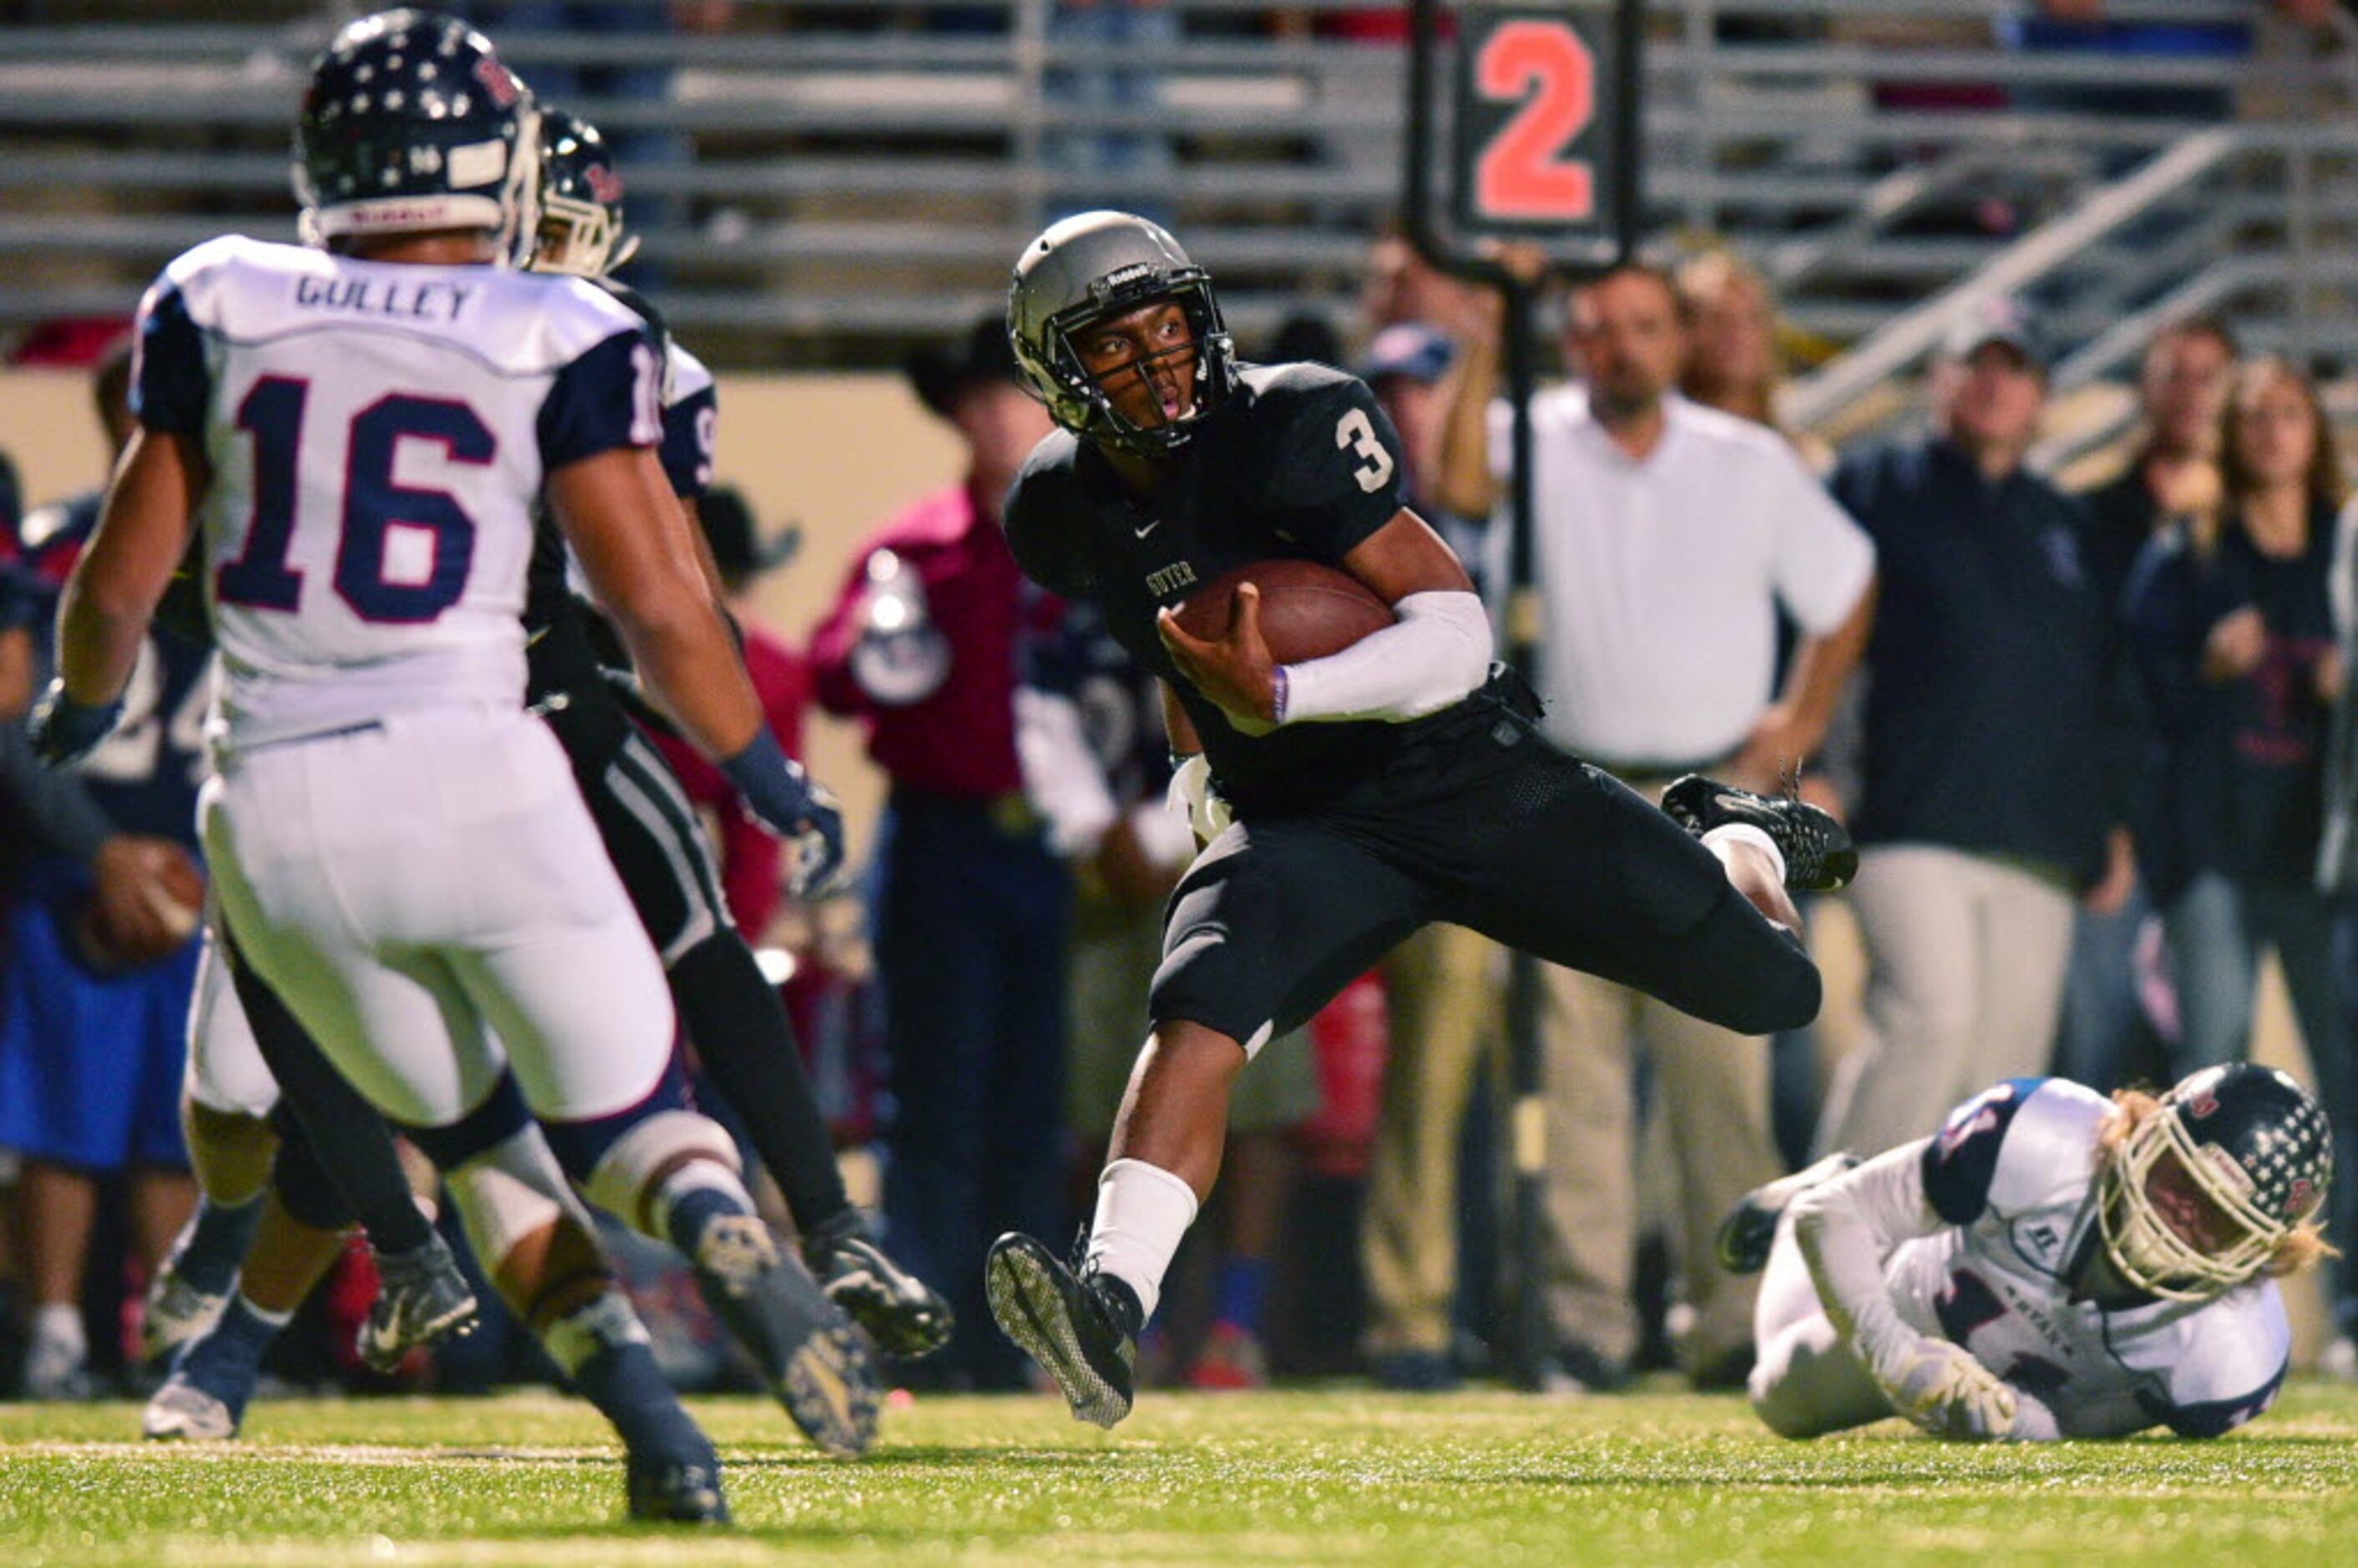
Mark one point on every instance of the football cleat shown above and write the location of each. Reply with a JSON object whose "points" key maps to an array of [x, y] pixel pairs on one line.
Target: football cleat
{"points": [[422, 1299], [1073, 1325], [900, 1310], [180, 1412], [676, 1491], [1750, 1228], [1819, 855], [819, 1366], [176, 1311]]}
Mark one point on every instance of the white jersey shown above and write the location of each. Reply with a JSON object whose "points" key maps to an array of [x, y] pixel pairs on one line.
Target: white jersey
{"points": [[378, 435], [2013, 1172]]}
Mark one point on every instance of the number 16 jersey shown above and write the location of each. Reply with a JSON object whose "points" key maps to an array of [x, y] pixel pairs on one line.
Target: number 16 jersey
{"points": [[377, 435]]}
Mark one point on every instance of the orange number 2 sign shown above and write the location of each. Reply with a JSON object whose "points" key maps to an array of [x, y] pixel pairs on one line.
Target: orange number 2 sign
{"points": [[1523, 174]]}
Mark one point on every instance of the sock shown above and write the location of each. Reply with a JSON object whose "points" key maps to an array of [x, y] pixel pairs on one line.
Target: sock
{"points": [[1243, 1292], [211, 1249], [697, 1204], [603, 1348], [226, 1362], [58, 1325], [1144, 1211], [1746, 833], [746, 1045]]}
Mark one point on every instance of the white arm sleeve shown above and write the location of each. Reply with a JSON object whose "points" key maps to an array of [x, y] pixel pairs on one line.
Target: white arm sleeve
{"points": [[1437, 650], [1848, 1226]]}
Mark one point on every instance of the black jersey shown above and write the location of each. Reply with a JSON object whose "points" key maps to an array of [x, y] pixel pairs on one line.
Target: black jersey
{"points": [[565, 635], [1298, 462]]}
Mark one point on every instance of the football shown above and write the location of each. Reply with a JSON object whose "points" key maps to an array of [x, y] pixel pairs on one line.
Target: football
{"points": [[175, 899], [1307, 611]]}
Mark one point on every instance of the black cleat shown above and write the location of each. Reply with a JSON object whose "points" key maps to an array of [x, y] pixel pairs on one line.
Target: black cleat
{"points": [[900, 1310], [1819, 855], [421, 1299], [1072, 1323], [819, 1366], [676, 1491], [1750, 1228]]}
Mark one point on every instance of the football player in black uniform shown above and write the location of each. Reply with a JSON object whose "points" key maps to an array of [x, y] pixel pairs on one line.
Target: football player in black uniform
{"points": [[735, 1018], [1346, 800]]}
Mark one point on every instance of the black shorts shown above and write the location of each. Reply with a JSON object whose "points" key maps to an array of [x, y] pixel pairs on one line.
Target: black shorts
{"points": [[1481, 821], [651, 831]]}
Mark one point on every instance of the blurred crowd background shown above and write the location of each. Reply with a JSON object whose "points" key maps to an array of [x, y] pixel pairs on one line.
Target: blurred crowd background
{"points": [[2048, 304]]}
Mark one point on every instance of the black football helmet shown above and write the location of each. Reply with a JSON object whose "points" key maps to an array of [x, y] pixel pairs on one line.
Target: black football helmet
{"points": [[580, 230], [411, 122], [1096, 264], [2255, 1143]]}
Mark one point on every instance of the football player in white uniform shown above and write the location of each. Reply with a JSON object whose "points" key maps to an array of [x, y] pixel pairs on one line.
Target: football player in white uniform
{"points": [[651, 833], [2050, 1264], [361, 432]]}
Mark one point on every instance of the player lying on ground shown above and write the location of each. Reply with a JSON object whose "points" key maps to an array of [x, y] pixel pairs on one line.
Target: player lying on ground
{"points": [[1398, 781], [2048, 1264]]}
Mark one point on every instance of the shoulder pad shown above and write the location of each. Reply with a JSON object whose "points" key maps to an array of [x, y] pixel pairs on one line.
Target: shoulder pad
{"points": [[2011, 1147]]}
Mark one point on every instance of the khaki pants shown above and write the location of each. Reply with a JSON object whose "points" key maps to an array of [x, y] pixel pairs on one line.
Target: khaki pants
{"points": [[1444, 1000], [1965, 958], [1711, 1094]]}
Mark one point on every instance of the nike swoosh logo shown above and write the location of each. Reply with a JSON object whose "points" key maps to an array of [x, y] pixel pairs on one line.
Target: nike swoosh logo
{"points": [[1149, 528]]}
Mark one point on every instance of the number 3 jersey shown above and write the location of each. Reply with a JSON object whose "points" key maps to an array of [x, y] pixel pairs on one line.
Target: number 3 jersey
{"points": [[2013, 1174], [377, 435], [1298, 462]]}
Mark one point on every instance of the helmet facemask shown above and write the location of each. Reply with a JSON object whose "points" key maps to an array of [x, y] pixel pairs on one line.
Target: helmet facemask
{"points": [[581, 238], [1104, 421], [2141, 1243], [580, 230]]}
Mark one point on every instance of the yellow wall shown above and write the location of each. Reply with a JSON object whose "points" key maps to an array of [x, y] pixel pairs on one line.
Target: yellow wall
{"points": [[835, 453]]}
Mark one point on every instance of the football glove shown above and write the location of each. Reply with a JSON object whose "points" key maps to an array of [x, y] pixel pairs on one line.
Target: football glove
{"points": [[1192, 797], [1941, 1389], [785, 799], [63, 731]]}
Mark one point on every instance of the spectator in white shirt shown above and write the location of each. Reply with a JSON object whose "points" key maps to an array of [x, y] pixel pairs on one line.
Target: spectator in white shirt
{"points": [[1667, 538]]}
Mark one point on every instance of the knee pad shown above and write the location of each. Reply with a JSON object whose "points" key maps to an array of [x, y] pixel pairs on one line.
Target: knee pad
{"points": [[630, 1178], [582, 1146], [510, 1191]]}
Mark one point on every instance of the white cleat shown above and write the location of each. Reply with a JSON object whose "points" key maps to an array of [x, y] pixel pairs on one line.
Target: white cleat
{"points": [[183, 1413]]}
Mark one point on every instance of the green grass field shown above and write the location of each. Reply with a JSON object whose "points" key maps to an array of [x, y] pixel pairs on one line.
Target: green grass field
{"points": [[1468, 1481]]}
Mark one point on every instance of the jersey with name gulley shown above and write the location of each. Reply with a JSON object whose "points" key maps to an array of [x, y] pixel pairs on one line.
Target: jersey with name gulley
{"points": [[1298, 462]]}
